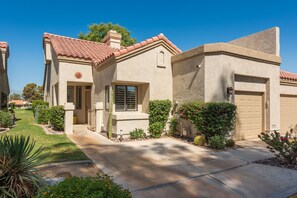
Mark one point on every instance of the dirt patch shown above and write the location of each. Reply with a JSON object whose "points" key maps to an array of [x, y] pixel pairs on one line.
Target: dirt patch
{"points": [[274, 161], [69, 170]]}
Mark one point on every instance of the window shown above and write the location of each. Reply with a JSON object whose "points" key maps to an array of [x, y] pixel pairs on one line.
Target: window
{"points": [[106, 97], [161, 59], [78, 97], [125, 98], [69, 93]]}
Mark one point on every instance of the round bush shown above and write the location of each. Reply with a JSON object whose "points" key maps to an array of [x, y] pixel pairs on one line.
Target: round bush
{"points": [[5, 119], [217, 142], [102, 186], [199, 140], [57, 117], [230, 143], [156, 129], [137, 133]]}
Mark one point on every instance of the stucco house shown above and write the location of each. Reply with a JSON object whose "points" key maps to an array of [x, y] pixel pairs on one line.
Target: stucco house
{"points": [[4, 84], [245, 71]]}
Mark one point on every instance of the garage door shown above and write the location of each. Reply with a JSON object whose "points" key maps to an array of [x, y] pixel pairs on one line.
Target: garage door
{"points": [[249, 120], [288, 115]]}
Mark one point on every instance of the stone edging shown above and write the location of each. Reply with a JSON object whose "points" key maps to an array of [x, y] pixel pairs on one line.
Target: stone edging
{"points": [[65, 163]]}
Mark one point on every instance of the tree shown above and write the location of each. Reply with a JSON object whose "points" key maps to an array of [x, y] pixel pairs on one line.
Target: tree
{"points": [[32, 92], [98, 31], [15, 96]]}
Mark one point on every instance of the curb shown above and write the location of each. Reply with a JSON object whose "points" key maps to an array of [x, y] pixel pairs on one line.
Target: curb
{"points": [[66, 163]]}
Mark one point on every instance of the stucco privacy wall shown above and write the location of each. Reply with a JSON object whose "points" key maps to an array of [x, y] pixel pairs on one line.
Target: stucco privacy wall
{"points": [[265, 41], [189, 79]]}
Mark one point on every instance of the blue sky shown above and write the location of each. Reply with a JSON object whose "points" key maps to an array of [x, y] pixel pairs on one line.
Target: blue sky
{"points": [[186, 23]]}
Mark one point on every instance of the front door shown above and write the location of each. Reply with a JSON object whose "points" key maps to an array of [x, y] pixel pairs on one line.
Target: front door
{"points": [[88, 104]]}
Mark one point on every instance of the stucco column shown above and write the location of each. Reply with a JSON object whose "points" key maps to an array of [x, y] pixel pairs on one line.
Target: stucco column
{"points": [[69, 108], [99, 116]]}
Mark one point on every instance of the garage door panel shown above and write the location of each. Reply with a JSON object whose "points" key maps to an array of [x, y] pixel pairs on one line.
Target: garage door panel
{"points": [[249, 121], [288, 114]]}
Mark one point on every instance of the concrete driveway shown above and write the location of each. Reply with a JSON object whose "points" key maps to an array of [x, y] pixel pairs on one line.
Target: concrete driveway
{"points": [[170, 168]]}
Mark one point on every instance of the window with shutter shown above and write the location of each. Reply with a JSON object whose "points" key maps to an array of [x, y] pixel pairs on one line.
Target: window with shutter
{"points": [[125, 98]]}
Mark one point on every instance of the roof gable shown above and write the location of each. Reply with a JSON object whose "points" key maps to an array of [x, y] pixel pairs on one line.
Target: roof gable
{"points": [[135, 47]]}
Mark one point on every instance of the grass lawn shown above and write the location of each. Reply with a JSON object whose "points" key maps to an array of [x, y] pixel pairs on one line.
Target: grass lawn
{"points": [[56, 148]]}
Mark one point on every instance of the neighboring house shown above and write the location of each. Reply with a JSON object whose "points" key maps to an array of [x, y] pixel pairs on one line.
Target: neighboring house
{"points": [[244, 71], [4, 84], [20, 103]]}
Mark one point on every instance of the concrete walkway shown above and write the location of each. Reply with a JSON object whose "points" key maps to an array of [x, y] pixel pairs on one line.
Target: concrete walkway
{"points": [[170, 168]]}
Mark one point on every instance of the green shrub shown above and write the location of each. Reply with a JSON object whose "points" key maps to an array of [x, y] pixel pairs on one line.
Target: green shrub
{"points": [[199, 140], [57, 117], [158, 116], [156, 129], [230, 143], [137, 133], [36, 103], [18, 176], [12, 105], [283, 147], [217, 142], [173, 126], [102, 186], [159, 111], [5, 119], [212, 118], [42, 113]]}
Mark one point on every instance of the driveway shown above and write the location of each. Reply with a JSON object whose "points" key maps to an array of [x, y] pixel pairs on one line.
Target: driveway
{"points": [[171, 168]]}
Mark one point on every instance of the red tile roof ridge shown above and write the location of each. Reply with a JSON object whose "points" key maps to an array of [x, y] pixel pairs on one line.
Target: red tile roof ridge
{"points": [[48, 35], [288, 75], [135, 46]]}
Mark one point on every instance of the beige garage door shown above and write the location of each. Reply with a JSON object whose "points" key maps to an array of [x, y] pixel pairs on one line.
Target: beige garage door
{"points": [[249, 121], [288, 115]]}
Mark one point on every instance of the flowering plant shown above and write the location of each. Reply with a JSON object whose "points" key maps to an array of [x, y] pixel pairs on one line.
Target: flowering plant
{"points": [[284, 147]]}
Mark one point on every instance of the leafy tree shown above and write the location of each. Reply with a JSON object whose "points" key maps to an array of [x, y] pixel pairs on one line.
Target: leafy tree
{"points": [[32, 92], [98, 31], [15, 96]]}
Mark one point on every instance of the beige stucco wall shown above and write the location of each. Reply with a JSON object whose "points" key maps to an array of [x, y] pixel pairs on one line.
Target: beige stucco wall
{"points": [[265, 41], [141, 70], [188, 79], [288, 90], [220, 71]]}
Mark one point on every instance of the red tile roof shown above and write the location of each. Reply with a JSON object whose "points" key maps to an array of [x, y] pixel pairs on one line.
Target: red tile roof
{"points": [[125, 50], [77, 48], [288, 75], [95, 51], [3, 44]]}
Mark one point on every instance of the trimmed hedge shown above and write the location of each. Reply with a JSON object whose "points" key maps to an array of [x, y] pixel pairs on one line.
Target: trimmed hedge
{"points": [[56, 119], [102, 186], [36, 103], [211, 118], [42, 114], [159, 113]]}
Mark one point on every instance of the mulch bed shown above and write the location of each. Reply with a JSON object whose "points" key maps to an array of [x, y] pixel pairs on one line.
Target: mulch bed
{"points": [[49, 130], [274, 161], [117, 140], [190, 140]]}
